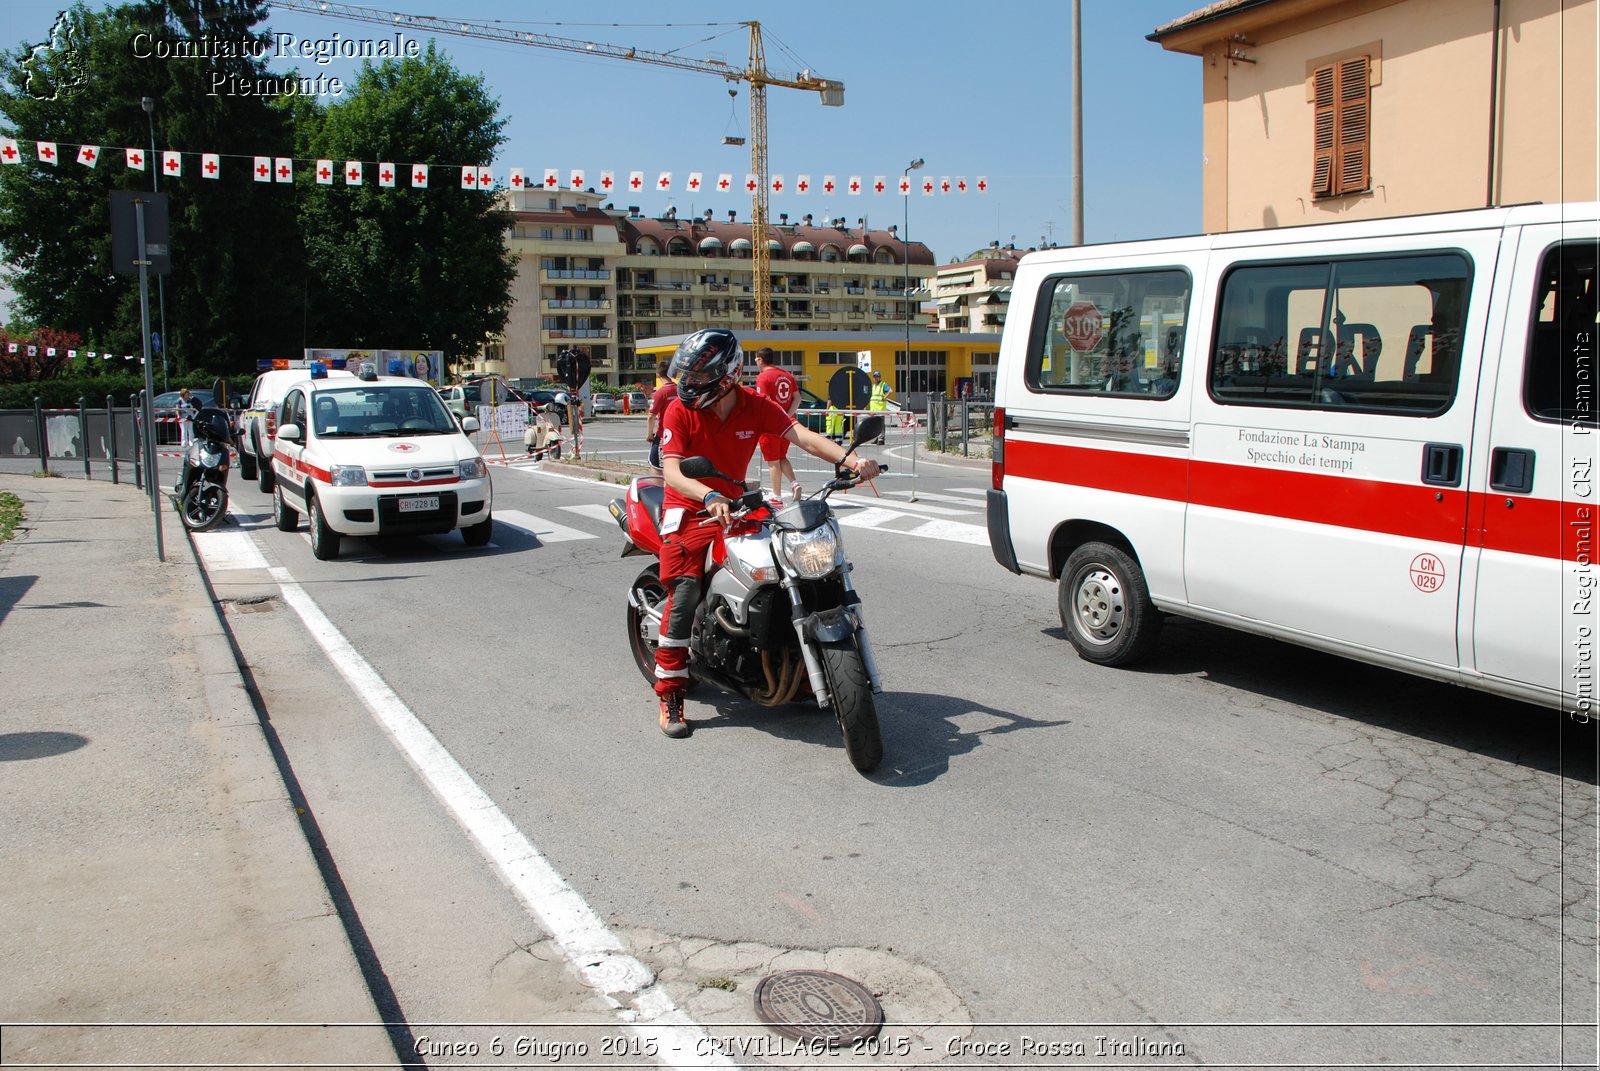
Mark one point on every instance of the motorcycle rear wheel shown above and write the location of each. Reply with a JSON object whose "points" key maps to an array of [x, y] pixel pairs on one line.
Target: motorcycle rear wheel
{"points": [[203, 506], [648, 586], [851, 694]]}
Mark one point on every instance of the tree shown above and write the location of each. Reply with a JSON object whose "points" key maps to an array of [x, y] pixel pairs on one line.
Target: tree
{"points": [[403, 267], [235, 292]]}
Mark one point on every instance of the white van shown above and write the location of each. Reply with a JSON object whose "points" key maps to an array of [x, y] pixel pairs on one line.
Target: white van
{"points": [[258, 422], [1375, 438]]}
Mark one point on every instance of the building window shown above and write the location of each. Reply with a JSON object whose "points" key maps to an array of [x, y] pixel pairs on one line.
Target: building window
{"points": [[844, 357], [1341, 96]]}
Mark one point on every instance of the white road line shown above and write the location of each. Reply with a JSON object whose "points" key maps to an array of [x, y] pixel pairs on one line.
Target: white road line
{"points": [[545, 531], [930, 496], [950, 530], [595, 953], [970, 490], [229, 550], [870, 517], [593, 510], [867, 498]]}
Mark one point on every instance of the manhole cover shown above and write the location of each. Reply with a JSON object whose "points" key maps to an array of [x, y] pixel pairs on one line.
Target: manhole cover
{"points": [[818, 1006]]}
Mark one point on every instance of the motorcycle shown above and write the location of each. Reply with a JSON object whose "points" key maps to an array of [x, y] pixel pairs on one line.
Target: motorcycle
{"points": [[201, 494], [778, 615]]}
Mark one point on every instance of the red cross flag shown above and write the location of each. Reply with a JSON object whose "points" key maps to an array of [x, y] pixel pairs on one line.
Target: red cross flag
{"points": [[724, 182], [516, 178], [927, 187], [11, 347], [469, 178], [550, 179], [385, 175], [803, 184], [324, 172], [352, 172], [696, 179], [9, 153], [72, 355], [50, 351], [830, 185], [855, 186], [88, 155], [664, 181], [172, 164], [135, 159], [905, 185], [47, 152], [283, 169], [33, 351], [983, 184], [575, 180], [944, 184], [961, 184], [211, 164], [263, 169], [777, 184], [635, 180], [485, 178], [608, 181], [750, 183], [419, 176]]}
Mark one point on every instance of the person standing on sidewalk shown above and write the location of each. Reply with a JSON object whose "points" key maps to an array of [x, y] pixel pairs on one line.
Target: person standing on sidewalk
{"points": [[717, 418], [185, 411], [879, 402], [659, 401], [777, 385]]}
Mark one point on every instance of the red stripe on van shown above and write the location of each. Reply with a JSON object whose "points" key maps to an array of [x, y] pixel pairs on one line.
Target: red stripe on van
{"points": [[1537, 527]]}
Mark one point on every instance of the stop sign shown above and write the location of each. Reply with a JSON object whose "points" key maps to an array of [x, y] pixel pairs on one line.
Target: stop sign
{"points": [[1082, 325]]}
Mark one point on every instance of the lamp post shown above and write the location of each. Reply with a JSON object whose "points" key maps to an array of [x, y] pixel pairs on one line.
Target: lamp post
{"points": [[149, 106], [905, 241]]}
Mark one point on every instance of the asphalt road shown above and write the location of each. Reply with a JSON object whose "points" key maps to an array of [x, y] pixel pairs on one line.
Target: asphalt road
{"points": [[1242, 854]]}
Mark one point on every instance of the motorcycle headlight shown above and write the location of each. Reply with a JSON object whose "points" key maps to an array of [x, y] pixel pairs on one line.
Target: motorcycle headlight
{"points": [[814, 554], [211, 457], [348, 475], [472, 469]]}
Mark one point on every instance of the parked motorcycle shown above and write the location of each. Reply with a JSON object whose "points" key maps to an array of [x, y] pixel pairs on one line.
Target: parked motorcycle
{"points": [[778, 615], [201, 494]]}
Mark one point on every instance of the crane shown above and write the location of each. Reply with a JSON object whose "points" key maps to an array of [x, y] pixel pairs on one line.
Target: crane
{"points": [[755, 74]]}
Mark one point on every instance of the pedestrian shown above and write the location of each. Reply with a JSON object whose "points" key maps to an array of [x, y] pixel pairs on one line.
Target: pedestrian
{"points": [[835, 423], [879, 402], [665, 392], [777, 385], [718, 418], [185, 411]]}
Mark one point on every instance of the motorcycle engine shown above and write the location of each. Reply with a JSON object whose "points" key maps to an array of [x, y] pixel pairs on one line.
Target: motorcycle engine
{"points": [[730, 655]]}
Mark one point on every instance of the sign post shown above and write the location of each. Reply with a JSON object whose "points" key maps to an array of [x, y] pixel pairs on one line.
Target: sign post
{"points": [[139, 243]]}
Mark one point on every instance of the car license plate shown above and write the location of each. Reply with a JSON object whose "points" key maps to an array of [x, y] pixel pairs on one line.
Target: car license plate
{"points": [[419, 505]]}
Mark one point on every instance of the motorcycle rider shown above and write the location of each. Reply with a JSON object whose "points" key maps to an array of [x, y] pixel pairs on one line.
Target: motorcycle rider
{"points": [[716, 417]]}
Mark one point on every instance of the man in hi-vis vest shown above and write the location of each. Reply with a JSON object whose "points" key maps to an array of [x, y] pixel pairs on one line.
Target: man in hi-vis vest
{"points": [[879, 402]]}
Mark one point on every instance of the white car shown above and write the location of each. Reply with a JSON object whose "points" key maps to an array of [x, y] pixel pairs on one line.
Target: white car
{"points": [[376, 456]]}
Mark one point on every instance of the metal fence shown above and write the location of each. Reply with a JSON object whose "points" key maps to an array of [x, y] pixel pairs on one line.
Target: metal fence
{"points": [[959, 426], [63, 440]]}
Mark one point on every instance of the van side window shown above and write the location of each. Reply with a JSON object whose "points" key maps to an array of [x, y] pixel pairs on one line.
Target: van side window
{"points": [[1117, 334], [1559, 380], [1381, 334]]}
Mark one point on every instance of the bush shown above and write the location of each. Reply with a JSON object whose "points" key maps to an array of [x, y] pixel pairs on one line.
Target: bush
{"points": [[64, 393]]}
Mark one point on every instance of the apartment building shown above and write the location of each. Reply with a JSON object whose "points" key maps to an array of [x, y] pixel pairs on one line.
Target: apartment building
{"points": [[600, 278], [972, 295]]}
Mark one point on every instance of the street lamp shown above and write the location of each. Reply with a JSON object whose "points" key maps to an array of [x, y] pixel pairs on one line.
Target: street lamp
{"points": [[149, 106], [905, 241]]}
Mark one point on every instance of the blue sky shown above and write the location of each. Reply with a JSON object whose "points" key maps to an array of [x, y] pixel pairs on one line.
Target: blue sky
{"points": [[973, 88]]}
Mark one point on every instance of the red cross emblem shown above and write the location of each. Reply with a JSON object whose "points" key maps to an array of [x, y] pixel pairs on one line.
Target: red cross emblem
{"points": [[283, 172], [387, 176], [516, 180], [962, 185], [944, 187], [88, 154], [135, 159], [635, 182], [211, 167], [550, 181], [419, 176], [694, 184], [777, 185], [605, 182], [172, 165], [877, 187], [469, 178], [722, 184], [827, 187], [664, 182], [803, 186], [577, 180], [855, 187], [261, 169], [47, 152], [353, 174], [10, 152], [751, 185], [982, 185], [324, 173], [927, 185]]}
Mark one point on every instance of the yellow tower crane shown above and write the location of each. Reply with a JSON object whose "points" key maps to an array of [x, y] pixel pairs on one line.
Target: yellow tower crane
{"points": [[755, 74]]}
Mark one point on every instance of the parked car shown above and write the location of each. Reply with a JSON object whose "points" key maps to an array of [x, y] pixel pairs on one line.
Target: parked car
{"points": [[166, 404], [542, 397], [638, 401], [606, 403]]}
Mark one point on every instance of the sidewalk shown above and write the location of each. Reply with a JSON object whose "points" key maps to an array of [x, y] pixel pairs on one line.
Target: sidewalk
{"points": [[162, 906]]}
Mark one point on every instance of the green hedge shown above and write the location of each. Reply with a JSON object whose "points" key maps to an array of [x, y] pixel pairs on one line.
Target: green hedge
{"points": [[64, 393]]}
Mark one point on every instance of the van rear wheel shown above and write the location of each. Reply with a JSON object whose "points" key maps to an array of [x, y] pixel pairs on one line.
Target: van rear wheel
{"points": [[1105, 606]]}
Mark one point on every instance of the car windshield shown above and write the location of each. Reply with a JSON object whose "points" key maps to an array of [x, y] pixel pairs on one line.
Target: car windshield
{"points": [[362, 411]]}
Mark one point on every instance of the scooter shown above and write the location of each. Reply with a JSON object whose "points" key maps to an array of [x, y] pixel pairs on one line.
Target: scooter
{"points": [[201, 494], [778, 615]]}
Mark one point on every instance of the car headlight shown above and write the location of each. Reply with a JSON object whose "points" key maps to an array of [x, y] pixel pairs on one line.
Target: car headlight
{"points": [[347, 475], [814, 554], [472, 469]]}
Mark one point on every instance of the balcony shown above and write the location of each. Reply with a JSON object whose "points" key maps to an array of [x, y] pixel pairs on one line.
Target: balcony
{"points": [[575, 273], [578, 332], [573, 303]]}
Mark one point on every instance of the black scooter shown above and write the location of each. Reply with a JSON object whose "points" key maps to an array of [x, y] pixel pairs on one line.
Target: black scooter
{"points": [[201, 494]]}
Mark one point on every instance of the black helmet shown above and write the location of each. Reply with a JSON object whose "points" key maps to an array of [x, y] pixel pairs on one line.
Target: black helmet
{"points": [[707, 365]]}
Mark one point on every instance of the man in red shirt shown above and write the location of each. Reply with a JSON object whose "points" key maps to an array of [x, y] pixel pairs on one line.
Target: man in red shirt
{"points": [[665, 392], [779, 386], [717, 418]]}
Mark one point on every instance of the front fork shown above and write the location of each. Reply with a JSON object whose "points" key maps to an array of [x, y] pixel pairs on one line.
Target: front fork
{"points": [[858, 625]]}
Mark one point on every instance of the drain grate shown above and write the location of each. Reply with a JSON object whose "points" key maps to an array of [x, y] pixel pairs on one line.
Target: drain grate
{"points": [[818, 1006]]}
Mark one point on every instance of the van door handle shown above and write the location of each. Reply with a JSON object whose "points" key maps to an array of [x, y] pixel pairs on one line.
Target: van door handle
{"points": [[1441, 464], [1511, 470]]}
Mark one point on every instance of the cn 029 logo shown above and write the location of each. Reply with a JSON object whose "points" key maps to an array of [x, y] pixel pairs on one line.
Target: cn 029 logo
{"points": [[1427, 572]]}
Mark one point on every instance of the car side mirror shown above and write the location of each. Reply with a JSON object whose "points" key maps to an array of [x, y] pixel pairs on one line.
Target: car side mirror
{"points": [[470, 424], [290, 433]]}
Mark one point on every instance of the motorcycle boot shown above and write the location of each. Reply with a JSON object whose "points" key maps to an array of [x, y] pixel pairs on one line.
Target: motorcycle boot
{"points": [[673, 723]]}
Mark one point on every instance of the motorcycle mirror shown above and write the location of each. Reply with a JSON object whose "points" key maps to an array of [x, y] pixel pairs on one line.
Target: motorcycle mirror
{"points": [[868, 428], [698, 468]]}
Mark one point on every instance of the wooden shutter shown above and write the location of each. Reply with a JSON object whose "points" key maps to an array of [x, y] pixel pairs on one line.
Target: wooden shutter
{"points": [[1341, 144]]}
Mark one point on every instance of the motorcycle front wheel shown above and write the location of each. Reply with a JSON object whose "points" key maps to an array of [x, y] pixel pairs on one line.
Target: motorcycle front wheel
{"points": [[851, 693], [203, 506]]}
